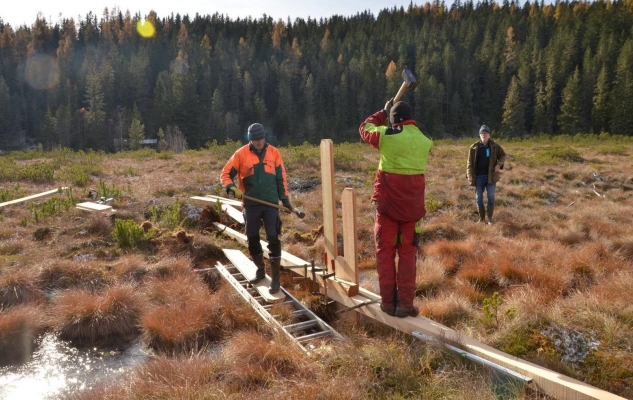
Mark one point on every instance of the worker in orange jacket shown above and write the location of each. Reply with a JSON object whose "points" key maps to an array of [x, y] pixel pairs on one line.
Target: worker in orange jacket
{"points": [[260, 174]]}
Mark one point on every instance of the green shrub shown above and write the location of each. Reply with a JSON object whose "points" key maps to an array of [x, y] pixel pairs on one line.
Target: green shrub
{"points": [[128, 234], [167, 217]]}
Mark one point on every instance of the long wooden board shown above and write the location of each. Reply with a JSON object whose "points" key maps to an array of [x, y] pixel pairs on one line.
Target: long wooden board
{"points": [[35, 196], [248, 269], [226, 200], [230, 210], [287, 259]]}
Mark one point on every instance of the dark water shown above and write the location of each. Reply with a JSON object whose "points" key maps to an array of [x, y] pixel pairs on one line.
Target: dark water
{"points": [[57, 369]]}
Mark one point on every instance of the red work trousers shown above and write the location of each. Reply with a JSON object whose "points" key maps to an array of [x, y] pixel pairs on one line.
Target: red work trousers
{"points": [[397, 285]]}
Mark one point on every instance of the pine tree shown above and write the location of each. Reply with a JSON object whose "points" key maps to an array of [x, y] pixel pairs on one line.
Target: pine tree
{"points": [[600, 113], [513, 122], [571, 118], [136, 134]]}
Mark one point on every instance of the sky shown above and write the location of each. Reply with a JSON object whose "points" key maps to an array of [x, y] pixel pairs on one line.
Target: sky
{"points": [[16, 13]]}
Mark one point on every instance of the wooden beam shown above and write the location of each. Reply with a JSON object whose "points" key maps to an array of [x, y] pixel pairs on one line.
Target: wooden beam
{"points": [[349, 270], [35, 196], [550, 382], [227, 207], [248, 269], [225, 200], [329, 199], [287, 259]]}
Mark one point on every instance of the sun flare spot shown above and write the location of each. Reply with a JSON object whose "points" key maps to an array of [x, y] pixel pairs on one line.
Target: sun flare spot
{"points": [[145, 28]]}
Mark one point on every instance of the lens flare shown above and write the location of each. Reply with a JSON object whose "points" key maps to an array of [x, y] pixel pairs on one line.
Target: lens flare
{"points": [[41, 71], [145, 28]]}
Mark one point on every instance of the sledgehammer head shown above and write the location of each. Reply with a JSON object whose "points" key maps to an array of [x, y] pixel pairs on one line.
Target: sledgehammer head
{"points": [[409, 79], [299, 213]]}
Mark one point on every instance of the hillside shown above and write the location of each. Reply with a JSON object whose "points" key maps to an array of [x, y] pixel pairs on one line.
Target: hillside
{"points": [[560, 257]]}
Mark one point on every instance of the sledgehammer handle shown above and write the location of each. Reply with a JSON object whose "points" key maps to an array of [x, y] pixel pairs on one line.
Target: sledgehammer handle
{"points": [[403, 88], [295, 211]]}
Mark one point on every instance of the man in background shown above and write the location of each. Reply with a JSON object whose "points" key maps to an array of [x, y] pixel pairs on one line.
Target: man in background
{"points": [[483, 171]]}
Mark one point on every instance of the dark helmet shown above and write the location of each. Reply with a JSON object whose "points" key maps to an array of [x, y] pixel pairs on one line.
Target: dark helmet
{"points": [[256, 132], [484, 128], [399, 112]]}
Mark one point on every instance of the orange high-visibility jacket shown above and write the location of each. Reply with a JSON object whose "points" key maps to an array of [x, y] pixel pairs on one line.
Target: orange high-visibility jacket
{"points": [[262, 176]]}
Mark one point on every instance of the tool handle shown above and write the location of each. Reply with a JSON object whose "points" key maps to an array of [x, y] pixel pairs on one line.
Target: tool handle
{"points": [[403, 88], [295, 211]]}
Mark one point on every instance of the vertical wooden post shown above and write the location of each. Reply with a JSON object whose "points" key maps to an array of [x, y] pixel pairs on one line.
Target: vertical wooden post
{"points": [[329, 199], [349, 270]]}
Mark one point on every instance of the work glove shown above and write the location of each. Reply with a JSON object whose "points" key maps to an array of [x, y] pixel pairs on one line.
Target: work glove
{"points": [[235, 190], [417, 235], [388, 106], [287, 204]]}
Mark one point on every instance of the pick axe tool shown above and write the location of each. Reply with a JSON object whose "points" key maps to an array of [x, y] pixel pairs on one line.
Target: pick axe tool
{"points": [[299, 213], [409, 83]]}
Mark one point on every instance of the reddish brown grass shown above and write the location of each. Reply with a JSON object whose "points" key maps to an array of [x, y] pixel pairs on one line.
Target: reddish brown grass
{"points": [[447, 309], [19, 286], [19, 326], [171, 266], [451, 254], [478, 270], [254, 361], [63, 274], [184, 317], [195, 377], [86, 318], [132, 268]]}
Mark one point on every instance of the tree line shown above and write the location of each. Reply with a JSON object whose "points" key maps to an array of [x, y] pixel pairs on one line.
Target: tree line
{"points": [[522, 69]]}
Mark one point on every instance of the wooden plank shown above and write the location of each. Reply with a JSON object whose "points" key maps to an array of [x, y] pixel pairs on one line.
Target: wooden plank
{"points": [[88, 206], [248, 269], [550, 382], [227, 207], [226, 200], [329, 199], [35, 196], [287, 259], [348, 271]]}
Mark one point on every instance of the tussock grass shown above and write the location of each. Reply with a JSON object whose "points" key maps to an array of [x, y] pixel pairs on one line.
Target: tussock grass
{"points": [[448, 309], [254, 361], [171, 266], [430, 276], [87, 318], [451, 254], [184, 316], [19, 327], [18, 286], [64, 274]]}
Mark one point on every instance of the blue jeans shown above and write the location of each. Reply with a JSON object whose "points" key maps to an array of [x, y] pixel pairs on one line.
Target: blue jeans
{"points": [[481, 183]]}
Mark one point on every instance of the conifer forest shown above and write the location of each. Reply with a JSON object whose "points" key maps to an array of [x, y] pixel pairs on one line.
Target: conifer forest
{"points": [[523, 69]]}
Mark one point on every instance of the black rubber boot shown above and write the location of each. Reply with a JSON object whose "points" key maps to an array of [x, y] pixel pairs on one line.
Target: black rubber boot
{"points": [[261, 268], [491, 210], [275, 264], [482, 214]]}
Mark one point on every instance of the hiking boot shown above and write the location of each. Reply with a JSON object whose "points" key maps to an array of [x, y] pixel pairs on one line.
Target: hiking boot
{"points": [[388, 309], [275, 265], [403, 312], [491, 210], [261, 268], [482, 214]]}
